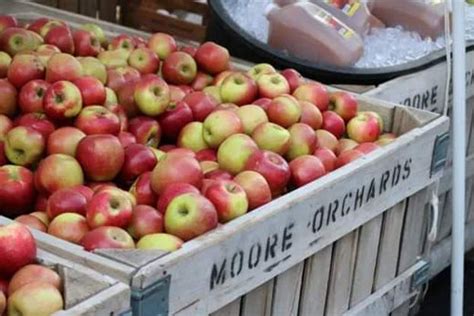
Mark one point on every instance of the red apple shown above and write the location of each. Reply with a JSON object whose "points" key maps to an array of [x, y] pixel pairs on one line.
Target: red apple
{"points": [[152, 95], [162, 44], [146, 130], [94, 153], [64, 140], [56, 172], [86, 44], [66, 200], [5, 125], [3, 157], [126, 139], [212, 58], [272, 85], [119, 111], [92, 90], [24, 145], [37, 24], [63, 67], [347, 157], [229, 199], [176, 94], [206, 154], [16, 40], [107, 237], [97, 119], [327, 157], [97, 31], [303, 141], [191, 50], [24, 68], [126, 98], [69, 226], [122, 41], [219, 78], [201, 81], [179, 68], [311, 115], [8, 95], [305, 169], [326, 140], [364, 128], [294, 78], [260, 69], [138, 159], [41, 204], [5, 62], [17, 191], [201, 104], [334, 124], [218, 174], [32, 222], [109, 208], [383, 140], [344, 104], [145, 220], [61, 37], [117, 77], [238, 88], [284, 110], [345, 144], [62, 100], [272, 167], [190, 215], [315, 93], [7, 21], [256, 188], [366, 148], [144, 60], [141, 190], [176, 116], [37, 121], [220, 125], [34, 273], [45, 52], [17, 248], [31, 96]]}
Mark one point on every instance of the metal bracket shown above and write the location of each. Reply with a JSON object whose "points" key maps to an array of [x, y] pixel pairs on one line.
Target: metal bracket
{"points": [[440, 153], [153, 300], [422, 275]]}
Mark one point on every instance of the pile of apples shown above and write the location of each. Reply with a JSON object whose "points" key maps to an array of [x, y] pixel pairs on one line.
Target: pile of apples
{"points": [[26, 288], [141, 143]]}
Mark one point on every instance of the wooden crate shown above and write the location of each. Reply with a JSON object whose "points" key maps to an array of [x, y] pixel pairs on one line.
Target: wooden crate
{"points": [[106, 10], [85, 292]]}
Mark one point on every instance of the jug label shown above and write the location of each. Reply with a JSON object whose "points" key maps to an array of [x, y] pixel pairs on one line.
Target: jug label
{"points": [[331, 21]]}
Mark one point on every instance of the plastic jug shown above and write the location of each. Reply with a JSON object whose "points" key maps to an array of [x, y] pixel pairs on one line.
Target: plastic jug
{"points": [[307, 31]]}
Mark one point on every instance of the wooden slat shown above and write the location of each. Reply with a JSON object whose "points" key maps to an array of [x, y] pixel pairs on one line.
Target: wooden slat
{"points": [[231, 309], [69, 5], [108, 10], [88, 8], [342, 271], [286, 291], [259, 301], [447, 216], [315, 283], [369, 237]]}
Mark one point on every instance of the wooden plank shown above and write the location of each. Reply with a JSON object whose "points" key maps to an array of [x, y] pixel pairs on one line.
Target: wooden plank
{"points": [[286, 291], [315, 283], [369, 237], [389, 245], [446, 219], [231, 309], [259, 301], [69, 5], [342, 272], [88, 8], [51, 3], [108, 10]]}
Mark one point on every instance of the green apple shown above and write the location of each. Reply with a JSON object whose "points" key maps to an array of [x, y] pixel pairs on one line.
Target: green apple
{"points": [[234, 152], [273, 137], [24, 145], [219, 125], [97, 31], [91, 66], [114, 58], [152, 95], [251, 116], [35, 298], [192, 137], [160, 241], [256, 71]]}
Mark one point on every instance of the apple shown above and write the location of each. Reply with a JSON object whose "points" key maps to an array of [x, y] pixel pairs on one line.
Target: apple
{"points": [[107, 237], [175, 168], [64, 140], [144, 60], [264, 103], [303, 141], [176, 116], [272, 167], [238, 88], [3, 286], [94, 153], [152, 95], [7, 21], [214, 92], [261, 69], [126, 139], [179, 68], [305, 169], [219, 78], [35, 298], [8, 95], [256, 188], [32, 222], [206, 154], [334, 124], [96, 31], [141, 190], [16, 40], [160, 241], [219, 125], [218, 174], [138, 159], [212, 58], [145, 220], [176, 94], [45, 52], [66, 200], [182, 151], [109, 208], [17, 248], [62, 100], [201, 81], [234, 152], [208, 166], [122, 41], [315, 93], [326, 140], [146, 130], [84, 190], [37, 121], [229, 199], [69, 226], [191, 50], [364, 128], [162, 44], [251, 116], [191, 137], [345, 144], [3, 157], [171, 191], [41, 202], [284, 110], [61, 37], [190, 215], [49, 25], [92, 90], [118, 77], [63, 67], [17, 192], [31, 96], [33, 273], [56, 172], [273, 137], [97, 119], [383, 140], [92, 67], [344, 104], [5, 125], [24, 145], [119, 111], [5, 61], [271, 85], [126, 97], [327, 157], [3, 303], [374, 115], [294, 78], [311, 115], [86, 44], [114, 58], [347, 157], [24, 68], [37, 24], [366, 148], [42, 216], [201, 104]]}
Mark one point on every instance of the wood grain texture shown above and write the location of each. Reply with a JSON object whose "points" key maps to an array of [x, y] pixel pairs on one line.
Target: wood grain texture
{"points": [[258, 302], [286, 291]]}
